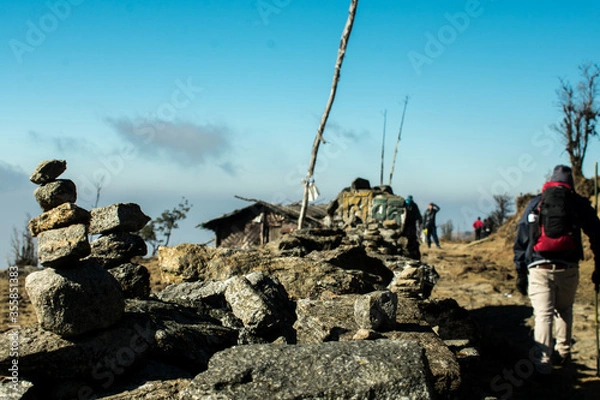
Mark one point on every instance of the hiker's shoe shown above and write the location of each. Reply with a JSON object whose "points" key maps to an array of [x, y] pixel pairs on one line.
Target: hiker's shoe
{"points": [[561, 360], [542, 370], [438, 246]]}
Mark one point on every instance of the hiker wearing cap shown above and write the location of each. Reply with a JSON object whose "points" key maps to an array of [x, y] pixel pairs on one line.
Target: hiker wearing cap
{"points": [[412, 224], [547, 252], [429, 224]]}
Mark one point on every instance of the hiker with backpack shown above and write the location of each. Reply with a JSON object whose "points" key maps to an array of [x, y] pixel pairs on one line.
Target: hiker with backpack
{"points": [[547, 251]]}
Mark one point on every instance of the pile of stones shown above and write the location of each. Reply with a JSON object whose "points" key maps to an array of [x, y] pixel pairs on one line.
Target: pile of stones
{"points": [[75, 293]]}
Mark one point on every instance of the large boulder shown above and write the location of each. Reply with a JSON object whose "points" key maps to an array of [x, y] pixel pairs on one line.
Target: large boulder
{"points": [[63, 247], [48, 171], [77, 300], [119, 217], [383, 369], [184, 262], [55, 193]]}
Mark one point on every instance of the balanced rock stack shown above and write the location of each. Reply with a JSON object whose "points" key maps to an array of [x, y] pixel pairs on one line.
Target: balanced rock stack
{"points": [[74, 294]]}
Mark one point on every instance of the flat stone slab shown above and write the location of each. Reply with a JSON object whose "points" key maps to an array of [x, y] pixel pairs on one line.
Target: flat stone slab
{"points": [[381, 369], [119, 217], [59, 217]]}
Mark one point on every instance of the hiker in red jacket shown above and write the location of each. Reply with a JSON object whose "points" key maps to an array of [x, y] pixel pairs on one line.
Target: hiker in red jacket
{"points": [[548, 248], [478, 226]]}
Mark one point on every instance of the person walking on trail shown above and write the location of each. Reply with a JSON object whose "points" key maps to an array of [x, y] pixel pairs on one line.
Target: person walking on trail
{"points": [[488, 227], [478, 226], [430, 226], [412, 224], [547, 251]]}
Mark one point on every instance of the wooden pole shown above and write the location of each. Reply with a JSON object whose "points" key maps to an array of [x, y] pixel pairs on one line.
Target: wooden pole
{"points": [[382, 148], [319, 137], [398, 141]]}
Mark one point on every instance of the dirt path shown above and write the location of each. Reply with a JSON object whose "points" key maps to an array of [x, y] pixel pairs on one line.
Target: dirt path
{"points": [[481, 278]]}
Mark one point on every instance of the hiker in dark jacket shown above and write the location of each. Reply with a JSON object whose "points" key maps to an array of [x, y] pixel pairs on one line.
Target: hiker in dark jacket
{"points": [[551, 277], [429, 224]]}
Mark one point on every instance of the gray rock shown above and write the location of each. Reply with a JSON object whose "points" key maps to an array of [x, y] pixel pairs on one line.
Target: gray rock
{"points": [[450, 320], [381, 369], [63, 215], [61, 247], [119, 217], [195, 294], [183, 337], [376, 310], [47, 171], [55, 193], [73, 301], [354, 258], [118, 248], [250, 305], [134, 280]]}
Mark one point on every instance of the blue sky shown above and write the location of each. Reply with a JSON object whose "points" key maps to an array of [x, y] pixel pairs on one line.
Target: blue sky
{"points": [[210, 99]]}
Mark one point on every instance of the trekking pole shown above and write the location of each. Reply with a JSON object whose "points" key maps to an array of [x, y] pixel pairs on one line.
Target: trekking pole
{"points": [[596, 286]]}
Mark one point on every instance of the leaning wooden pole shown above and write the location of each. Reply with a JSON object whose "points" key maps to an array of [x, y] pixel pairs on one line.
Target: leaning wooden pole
{"points": [[319, 138], [382, 148], [398, 141]]}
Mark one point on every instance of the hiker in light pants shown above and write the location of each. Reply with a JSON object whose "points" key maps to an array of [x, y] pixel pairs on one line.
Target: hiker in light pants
{"points": [[547, 263]]}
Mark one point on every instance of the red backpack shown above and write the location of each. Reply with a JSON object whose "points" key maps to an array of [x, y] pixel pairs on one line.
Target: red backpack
{"points": [[557, 219]]}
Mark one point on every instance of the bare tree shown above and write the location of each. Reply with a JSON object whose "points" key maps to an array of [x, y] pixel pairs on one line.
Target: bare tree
{"points": [[580, 114], [446, 229], [504, 207], [22, 247], [148, 233], [168, 219]]}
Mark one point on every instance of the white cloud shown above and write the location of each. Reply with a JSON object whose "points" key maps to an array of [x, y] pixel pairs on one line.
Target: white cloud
{"points": [[182, 142]]}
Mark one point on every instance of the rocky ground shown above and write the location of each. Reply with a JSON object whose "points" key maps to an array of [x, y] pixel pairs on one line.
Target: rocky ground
{"points": [[480, 277]]}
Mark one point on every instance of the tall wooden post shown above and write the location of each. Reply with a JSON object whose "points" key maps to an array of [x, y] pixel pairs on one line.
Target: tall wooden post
{"points": [[319, 137]]}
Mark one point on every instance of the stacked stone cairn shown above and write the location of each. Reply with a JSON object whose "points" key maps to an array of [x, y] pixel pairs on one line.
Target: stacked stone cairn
{"points": [[75, 293]]}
